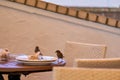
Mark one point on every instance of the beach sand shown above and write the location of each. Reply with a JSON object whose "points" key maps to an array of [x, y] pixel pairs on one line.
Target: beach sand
{"points": [[21, 31]]}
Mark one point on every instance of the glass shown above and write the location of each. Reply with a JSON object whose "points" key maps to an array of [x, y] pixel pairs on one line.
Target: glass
{"points": [[4, 57], [12, 57]]}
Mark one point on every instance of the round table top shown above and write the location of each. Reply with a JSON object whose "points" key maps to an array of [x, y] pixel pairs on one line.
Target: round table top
{"points": [[15, 67]]}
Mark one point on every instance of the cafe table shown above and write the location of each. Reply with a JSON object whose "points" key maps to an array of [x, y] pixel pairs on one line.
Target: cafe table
{"points": [[15, 68]]}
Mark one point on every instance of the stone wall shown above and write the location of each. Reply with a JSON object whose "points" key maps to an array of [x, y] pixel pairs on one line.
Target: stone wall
{"points": [[81, 14], [108, 12], [115, 15]]}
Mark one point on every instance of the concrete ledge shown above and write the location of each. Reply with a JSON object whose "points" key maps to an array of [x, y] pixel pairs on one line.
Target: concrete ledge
{"points": [[20, 1], [62, 10], [95, 9], [51, 7], [102, 19], [82, 14], [72, 12], [112, 22], [92, 17], [41, 5], [31, 2]]}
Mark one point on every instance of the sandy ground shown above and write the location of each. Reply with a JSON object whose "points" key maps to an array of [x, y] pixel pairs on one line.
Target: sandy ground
{"points": [[21, 31]]}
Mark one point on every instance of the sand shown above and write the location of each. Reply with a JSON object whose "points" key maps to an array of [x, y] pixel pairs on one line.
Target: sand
{"points": [[21, 31]]}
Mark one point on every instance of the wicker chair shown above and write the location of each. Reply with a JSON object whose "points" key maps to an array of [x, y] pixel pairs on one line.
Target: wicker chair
{"points": [[83, 50], [72, 73], [98, 63]]}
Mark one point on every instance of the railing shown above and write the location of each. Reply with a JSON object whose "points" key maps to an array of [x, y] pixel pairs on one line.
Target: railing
{"points": [[70, 12]]}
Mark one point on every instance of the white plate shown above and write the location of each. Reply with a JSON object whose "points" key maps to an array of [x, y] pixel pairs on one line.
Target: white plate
{"points": [[45, 61]]}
